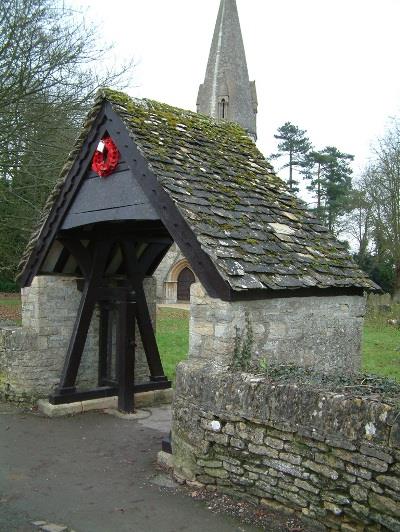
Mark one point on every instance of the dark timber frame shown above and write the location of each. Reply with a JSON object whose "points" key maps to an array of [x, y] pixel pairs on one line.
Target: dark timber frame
{"points": [[126, 296]]}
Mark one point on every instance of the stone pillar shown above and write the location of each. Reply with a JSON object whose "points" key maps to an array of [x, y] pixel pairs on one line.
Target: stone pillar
{"points": [[319, 332], [170, 292], [32, 356]]}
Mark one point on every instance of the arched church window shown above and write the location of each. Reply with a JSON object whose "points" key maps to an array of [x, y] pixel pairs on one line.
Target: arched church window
{"points": [[223, 108]]}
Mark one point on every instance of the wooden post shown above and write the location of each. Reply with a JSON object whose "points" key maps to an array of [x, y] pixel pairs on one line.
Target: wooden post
{"points": [[104, 327], [136, 273], [126, 355], [83, 318]]}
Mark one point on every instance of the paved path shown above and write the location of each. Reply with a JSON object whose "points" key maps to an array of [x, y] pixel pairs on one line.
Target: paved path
{"points": [[93, 473]]}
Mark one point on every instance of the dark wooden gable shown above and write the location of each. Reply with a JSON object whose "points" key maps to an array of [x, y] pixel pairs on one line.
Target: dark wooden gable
{"points": [[116, 197], [131, 200]]}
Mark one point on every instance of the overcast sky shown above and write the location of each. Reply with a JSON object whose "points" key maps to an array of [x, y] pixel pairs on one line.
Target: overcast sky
{"points": [[328, 66]]}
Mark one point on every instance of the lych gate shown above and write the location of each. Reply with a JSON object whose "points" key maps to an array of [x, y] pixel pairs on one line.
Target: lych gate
{"points": [[113, 260], [167, 176], [104, 229], [108, 224], [112, 237]]}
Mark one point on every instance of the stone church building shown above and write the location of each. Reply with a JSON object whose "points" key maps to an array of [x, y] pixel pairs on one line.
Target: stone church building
{"points": [[226, 94]]}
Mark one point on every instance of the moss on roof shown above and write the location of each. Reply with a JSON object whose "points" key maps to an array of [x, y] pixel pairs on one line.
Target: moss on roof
{"points": [[257, 233]]}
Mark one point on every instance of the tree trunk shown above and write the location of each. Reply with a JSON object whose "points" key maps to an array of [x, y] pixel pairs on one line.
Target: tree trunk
{"points": [[396, 285], [290, 171]]}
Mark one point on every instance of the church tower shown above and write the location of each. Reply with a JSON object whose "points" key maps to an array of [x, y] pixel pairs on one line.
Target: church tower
{"points": [[227, 92]]}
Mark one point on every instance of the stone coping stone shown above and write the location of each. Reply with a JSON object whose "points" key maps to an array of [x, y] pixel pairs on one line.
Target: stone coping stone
{"points": [[142, 400], [290, 406]]}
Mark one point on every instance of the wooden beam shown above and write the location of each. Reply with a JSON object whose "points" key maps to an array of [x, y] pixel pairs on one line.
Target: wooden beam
{"points": [[152, 257], [104, 391], [169, 214], [136, 275], [138, 231], [84, 316], [74, 396], [104, 329], [62, 260], [126, 355], [79, 252]]}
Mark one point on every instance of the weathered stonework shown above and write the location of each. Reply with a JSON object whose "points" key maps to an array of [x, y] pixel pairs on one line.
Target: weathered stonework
{"points": [[227, 92], [165, 292], [319, 332], [167, 275], [32, 356], [333, 458]]}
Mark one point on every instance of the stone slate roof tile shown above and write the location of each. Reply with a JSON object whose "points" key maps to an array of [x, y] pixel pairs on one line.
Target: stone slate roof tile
{"points": [[258, 234]]}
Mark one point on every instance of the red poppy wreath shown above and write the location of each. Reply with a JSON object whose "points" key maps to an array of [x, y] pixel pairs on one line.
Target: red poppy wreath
{"points": [[106, 158]]}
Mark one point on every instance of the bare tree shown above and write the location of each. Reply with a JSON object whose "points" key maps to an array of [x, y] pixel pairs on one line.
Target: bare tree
{"points": [[383, 194], [51, 63], [358, 222]]}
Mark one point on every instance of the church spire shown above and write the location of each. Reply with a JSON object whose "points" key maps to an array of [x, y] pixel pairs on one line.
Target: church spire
{"points": [[227, 92]]}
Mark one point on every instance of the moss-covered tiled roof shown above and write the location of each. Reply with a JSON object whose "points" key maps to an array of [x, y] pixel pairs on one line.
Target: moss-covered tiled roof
{"points": [[258, 235]]}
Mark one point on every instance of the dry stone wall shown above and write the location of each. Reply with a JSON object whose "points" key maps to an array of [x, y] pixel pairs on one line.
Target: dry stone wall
{"points": [[32, 356], [333, 458]]}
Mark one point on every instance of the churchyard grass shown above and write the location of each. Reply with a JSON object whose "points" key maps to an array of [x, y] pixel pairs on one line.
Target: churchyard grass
{"points": [[10, 307], [381, 343], [10, 302], [172, 337]]}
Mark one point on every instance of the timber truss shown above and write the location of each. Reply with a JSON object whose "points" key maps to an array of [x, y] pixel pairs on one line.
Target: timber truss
{"points": [[121, 293]]}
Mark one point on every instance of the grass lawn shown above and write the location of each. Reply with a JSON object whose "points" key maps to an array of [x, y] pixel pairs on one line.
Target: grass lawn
{"points": [[10, 307], [172, 337], [381, 351], [381, 343]]}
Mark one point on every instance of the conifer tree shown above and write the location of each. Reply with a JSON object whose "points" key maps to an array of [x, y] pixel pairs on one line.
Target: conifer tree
{"points": [[294, 145], [329, 174]]}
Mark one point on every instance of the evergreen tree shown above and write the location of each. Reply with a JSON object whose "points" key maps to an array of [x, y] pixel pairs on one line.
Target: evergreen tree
{"points": [[295, 145], [314, 162], [329, 173]]}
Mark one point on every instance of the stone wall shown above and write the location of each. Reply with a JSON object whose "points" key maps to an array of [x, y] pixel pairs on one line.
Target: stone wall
{"points": [[161, 274], [333, 458], [321, 332], [167, 275], [32, 356]]}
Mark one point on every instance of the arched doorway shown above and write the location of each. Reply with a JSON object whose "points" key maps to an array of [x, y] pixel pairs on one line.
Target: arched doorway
{"points": [[178, 282], [185, 280]]}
